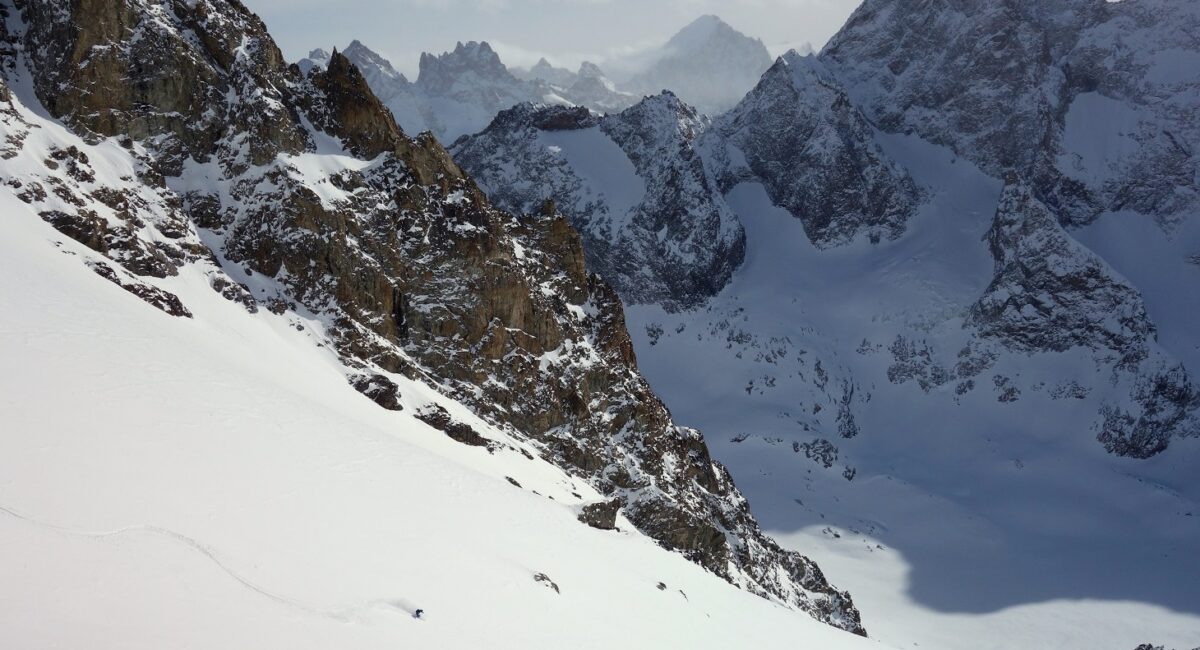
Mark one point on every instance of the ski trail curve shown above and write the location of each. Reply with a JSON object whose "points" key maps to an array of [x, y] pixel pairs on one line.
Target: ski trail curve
{"points": [[341, 615]]}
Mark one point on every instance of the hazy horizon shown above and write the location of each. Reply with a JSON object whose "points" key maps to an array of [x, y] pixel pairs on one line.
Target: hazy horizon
{"points": [[566, 32]]}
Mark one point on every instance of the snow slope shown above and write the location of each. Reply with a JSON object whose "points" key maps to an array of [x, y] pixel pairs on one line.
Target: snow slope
{"points": [[232, 434], [214, 482], [986, 519]]}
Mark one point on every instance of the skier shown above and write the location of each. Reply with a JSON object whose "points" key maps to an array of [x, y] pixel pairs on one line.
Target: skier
{"points": [[417, 614]]}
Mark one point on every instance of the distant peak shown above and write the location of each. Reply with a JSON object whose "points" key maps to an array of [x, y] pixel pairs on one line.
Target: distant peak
{"points": [[705, 27], [477, 56], [708, 20], [319, 54], [356, 48], [702, 31], [476, 50], [589, 69]]}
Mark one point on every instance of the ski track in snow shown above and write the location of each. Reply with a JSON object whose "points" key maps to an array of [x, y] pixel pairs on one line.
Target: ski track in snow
{"points": [[342, 615]]}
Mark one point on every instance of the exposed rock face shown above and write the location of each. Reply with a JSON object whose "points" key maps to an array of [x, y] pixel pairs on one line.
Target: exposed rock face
{"points": [[1009, 85], [799, 133], [1050, 294], [440, 74], [601, 515], [177, 89], [438, 418], [659, 233], [378, 389], [388, 243], [682, 230]]}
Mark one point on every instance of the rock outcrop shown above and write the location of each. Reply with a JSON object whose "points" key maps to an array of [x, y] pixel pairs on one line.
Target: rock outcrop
{"points": [[1050, 294], [659, 232], [799, 134]]}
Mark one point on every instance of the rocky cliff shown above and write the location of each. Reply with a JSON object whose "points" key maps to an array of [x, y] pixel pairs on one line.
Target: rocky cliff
{"points": [[1051, 294], [800, 134], [634, 184], [1033, 86]]}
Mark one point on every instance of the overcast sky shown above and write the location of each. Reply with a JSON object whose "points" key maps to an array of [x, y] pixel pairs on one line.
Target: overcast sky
{"points": [[565, 31]]}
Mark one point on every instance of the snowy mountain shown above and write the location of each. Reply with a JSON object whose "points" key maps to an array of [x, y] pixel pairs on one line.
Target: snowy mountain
{"points": [[278, 370], [455, 92], [799, 134], [708, 64], [299, 302], [459, 92], [546, 71], [634, 185], [646, 187], [592, 88], [1093, 100], [956, 353]]}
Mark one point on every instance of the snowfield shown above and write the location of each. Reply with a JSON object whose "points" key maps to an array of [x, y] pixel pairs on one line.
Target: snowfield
{"points": [[989, 519], [214, 482]]}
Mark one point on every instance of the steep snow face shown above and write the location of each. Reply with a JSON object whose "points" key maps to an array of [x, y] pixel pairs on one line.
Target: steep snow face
{"points": [[634, 184], [247, 180], [1013, 84], [708, 64], [947, 465], [801, 136]]}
